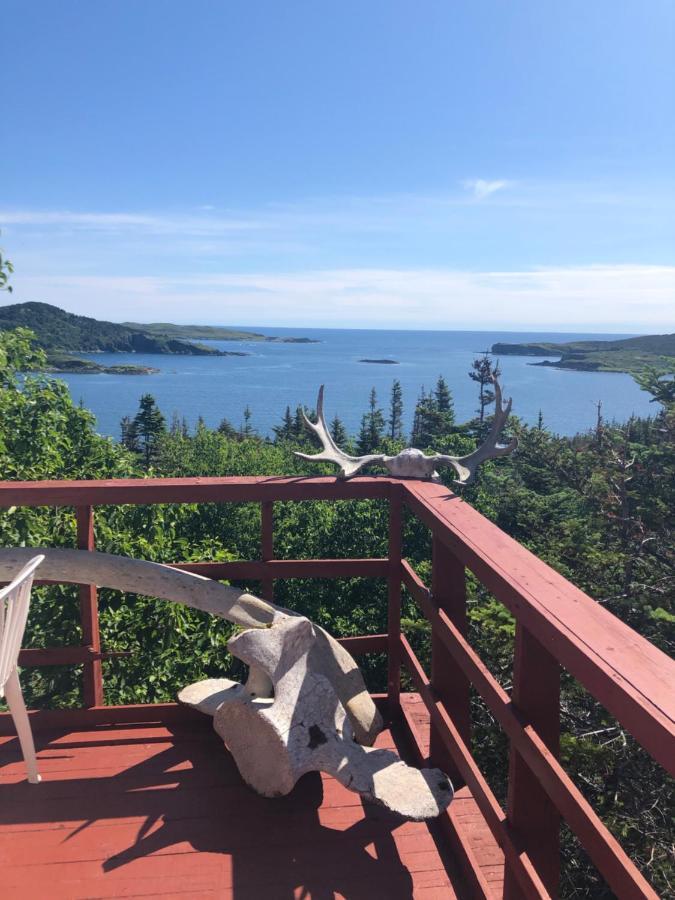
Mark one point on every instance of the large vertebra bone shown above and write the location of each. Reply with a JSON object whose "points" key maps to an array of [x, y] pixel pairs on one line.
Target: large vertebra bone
{"points": [[304, 728], [150, 579], [412, 463]]}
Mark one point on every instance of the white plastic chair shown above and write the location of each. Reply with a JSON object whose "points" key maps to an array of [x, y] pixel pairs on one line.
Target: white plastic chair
{"points": [[14, 602]]}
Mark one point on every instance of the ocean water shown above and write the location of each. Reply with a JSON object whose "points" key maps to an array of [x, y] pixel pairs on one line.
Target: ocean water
{"points": [[278, 375]]}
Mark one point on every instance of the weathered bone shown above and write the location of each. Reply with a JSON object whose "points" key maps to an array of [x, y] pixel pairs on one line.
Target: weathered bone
{"points": [[304, 728], [412, 463], [150, 579]]}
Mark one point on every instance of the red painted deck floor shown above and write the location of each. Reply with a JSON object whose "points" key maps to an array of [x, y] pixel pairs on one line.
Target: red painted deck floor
{"points": [[161, 811]]}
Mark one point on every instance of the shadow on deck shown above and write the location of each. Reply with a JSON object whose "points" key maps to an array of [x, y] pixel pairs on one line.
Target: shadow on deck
{"points": [[160, 810]]}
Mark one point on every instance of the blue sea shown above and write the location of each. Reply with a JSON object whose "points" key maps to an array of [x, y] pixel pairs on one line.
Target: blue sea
{"points": [[278, 375]]}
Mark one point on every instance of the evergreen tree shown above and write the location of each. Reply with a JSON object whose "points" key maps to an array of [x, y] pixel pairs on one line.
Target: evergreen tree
{"points": [[434, 416], [285, 431], [129, 434], [372, 427], [179, 426], [483, 371], [227, 428], [443, 396], [247, 430], [338, 432], [417, 418], [299, 428], [395, 421], [149, 425]]}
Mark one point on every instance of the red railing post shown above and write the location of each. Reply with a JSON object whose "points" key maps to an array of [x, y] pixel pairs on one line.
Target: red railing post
{"points": [[532, 815], [91, 638], [450, 684], [267, 543], [394, 600]]}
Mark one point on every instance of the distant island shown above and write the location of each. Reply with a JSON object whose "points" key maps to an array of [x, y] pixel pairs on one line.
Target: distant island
{"points": [[73, 365], [62, 334], [625, 355], [211, 333], [381, 362]]}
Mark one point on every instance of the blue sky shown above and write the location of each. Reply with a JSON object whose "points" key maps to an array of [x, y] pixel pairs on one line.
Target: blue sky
{"points": [[417, 164]]}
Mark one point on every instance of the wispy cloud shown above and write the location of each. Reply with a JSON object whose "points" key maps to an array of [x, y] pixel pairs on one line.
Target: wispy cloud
{"points": [[600, 298], [444, 260], [480, 188], [115, 221]]}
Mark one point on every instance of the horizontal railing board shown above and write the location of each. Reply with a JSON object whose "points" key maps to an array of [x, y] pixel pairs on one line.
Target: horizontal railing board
{"points": [[132, 714], [603, 848], [65, 656], [72, 656], [189, 490], [631, 677]]}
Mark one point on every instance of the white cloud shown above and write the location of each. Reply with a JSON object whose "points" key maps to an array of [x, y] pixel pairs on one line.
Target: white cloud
{"points": [[600, 298], [154, 223], [480, 188]]}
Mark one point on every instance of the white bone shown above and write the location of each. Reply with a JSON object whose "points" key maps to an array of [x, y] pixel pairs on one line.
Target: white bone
{"points": [[304, 728]]}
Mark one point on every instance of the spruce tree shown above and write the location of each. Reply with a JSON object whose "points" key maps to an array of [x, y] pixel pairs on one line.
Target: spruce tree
{"points": [[227, 428], [285, 431], [149, 425], [129, 434], [483, 370], [338, 432], [443, 396], [396, 411], [299, 428], [372, 427], [247, 430]]}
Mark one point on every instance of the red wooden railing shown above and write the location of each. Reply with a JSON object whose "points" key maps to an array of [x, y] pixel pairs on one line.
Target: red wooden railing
{"points": [[557, 625]]}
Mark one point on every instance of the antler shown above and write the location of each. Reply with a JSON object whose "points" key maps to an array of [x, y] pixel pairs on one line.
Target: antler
{"points": [[349, 465], [466, 466]]}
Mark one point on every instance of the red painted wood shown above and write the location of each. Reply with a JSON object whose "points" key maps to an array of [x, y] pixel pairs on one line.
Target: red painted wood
{"points": [[599, 843], [91, 638], [65, 656], [69, 656], [45, 719], [267, 545], [365, 643], [174, 819], [627, 674], [253, 489], [256, 570], [531, 813], [632, 678], [495, 817], [450, 683], [460, 844], [394, 602]]}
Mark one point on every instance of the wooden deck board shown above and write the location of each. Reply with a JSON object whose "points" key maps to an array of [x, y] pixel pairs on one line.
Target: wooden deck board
{"points": [[161, 811], [464, 812]]}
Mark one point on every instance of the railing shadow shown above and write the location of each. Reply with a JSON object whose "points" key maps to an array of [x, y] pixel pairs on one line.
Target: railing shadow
{"points": [[190, 798]]}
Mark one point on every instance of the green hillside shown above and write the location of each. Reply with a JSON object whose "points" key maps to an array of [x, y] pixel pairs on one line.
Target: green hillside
{"points": [[58, 330], [624, 355]]}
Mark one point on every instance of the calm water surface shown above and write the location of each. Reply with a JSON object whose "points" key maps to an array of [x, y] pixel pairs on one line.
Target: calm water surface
{"points": [[278, 375]]}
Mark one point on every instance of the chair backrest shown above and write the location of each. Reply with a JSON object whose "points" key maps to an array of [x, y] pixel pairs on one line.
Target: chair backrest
{"points": [[14, 601]]}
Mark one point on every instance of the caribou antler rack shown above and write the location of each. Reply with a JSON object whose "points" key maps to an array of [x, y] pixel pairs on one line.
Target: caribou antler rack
{"points": [[412, 463]]}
